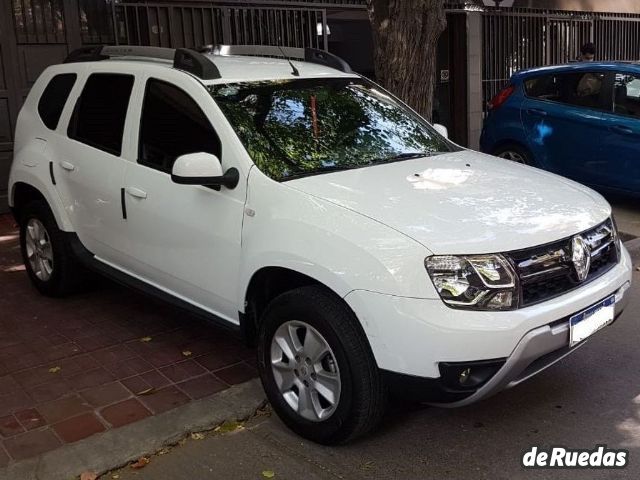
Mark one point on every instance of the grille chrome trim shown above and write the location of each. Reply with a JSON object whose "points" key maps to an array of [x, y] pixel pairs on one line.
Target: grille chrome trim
{"points": [[547, 271]]}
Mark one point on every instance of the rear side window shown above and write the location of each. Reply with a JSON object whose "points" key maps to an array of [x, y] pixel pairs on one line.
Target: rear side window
{"points": [[172, 125], [54, 97], [582, 89], [626, 99], [99, 115]]}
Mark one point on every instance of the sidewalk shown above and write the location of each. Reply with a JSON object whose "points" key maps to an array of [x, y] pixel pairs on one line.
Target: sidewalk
{"points": [[74, 367]]}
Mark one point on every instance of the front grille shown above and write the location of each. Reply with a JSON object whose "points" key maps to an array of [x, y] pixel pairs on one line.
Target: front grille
{"points": [[548, 271]]}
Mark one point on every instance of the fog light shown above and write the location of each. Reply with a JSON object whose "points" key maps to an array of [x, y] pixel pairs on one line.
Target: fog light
{"points": [[464, 376]]}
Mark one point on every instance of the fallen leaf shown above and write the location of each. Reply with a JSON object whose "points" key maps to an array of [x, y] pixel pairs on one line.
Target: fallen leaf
{"points": [[141, 463], [268, 474], [145, 339], [146, 392], [187, 353], [229, 426], [54, 369], [197, 436], [88, 476], [115, 476]]}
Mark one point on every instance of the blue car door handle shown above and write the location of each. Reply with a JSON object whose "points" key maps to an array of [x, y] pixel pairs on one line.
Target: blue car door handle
{"points": [[622, 130], [536, 111]]}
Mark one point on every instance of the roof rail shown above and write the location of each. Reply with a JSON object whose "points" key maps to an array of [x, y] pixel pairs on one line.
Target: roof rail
{"points": [[183, 58], [311, 55]]}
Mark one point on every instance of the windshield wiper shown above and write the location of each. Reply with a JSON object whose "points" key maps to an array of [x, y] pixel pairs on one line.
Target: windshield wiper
{"points": [[319, 171], [402, 156]]}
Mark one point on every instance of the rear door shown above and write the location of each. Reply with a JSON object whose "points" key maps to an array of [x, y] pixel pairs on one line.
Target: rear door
{"points": [[620, 140], [563, 120], [89, 168]]}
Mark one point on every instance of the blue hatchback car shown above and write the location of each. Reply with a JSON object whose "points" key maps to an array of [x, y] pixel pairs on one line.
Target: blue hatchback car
{"points": [[579, 120]]}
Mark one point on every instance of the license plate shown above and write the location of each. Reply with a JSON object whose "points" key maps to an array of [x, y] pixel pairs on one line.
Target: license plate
{"points": [[589, 321]]}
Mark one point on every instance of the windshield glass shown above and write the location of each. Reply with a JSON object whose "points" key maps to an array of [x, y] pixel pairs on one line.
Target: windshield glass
{"points": [[295, 128]]}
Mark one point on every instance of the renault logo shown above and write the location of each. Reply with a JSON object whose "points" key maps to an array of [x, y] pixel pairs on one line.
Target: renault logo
{"points": [[581, 257]]}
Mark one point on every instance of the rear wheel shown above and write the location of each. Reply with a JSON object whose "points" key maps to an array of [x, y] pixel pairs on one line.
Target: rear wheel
{"points": [[317, 367], [47, 257], [515, 153]]}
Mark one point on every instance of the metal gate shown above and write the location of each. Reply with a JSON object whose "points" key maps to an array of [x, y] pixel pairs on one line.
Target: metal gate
{"points": [[514, 40], [183, 25], [38, 33]]}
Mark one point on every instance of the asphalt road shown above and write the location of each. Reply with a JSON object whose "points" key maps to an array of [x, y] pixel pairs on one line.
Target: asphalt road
{"points": [[590, 398], [627, 215]]}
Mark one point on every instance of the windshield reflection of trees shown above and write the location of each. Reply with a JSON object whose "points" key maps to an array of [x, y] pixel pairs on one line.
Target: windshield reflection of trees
{"points": [[300, 127]]}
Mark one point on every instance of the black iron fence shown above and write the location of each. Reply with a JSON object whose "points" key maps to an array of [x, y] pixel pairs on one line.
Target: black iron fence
{"points": [[515, 39]]}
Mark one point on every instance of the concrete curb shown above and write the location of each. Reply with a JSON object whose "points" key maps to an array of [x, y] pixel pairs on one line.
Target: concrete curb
{"points": [[119, 446], [634, 249]]}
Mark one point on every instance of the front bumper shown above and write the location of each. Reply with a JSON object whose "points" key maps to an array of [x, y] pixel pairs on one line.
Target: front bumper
{"points": [[539, 349], [412, 338]]}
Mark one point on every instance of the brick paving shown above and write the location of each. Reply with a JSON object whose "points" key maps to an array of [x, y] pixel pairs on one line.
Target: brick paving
{"points": [[77, 366]]}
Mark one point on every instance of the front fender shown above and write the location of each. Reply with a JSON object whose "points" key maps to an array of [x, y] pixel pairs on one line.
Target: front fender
{"points": [[339, 248]]}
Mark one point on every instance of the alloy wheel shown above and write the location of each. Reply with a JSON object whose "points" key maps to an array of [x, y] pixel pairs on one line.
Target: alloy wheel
{"points": [[305, 370], [39, 249], [513, 156]]}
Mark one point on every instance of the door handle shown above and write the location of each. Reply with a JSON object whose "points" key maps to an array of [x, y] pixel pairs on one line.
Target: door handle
{"points": [[536, 111], [136, 192], [622, 130], [68, 166]]}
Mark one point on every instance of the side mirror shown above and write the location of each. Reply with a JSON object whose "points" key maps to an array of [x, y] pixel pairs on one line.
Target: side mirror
{"points": [[203, 169], [441, 129]]}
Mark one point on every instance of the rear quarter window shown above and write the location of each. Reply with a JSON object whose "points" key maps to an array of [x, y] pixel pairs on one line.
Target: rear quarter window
{"points": [[54, 97]]}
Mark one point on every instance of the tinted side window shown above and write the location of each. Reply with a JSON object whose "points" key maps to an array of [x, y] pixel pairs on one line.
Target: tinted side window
{"points": [[172, 124], [546, 87], [626, 99], [99, 116], [580, 89], [54, 97]]}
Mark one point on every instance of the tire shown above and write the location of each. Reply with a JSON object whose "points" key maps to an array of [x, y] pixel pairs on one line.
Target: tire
{"points": [[52, 267], [514, 153], [359, 399]]}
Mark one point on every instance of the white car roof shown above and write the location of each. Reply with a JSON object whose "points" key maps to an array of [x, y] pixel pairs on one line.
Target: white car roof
{"points": [[245, 69], [223, 63]]}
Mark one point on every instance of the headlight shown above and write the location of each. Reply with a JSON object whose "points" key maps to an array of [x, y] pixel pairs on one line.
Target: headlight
{"points": [[478, 282]]}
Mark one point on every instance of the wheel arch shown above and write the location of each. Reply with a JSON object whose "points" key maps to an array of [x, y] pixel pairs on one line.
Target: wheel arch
{"points": [[266, 284], [24, 190]]}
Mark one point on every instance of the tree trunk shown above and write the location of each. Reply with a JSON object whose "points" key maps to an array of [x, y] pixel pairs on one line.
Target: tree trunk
{"points": [[405, 38]]}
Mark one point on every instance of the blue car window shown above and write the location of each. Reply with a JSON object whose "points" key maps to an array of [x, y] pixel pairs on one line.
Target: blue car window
{"points": [[582, 89], [626, 99]]}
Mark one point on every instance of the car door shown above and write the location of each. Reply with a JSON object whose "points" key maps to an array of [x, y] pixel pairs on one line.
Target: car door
{"points": [[620, 140], [89, 167], [562, 118], [184, 239]]}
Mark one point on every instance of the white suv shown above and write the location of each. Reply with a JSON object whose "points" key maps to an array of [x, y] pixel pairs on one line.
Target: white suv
{"points": [[313, 212]]}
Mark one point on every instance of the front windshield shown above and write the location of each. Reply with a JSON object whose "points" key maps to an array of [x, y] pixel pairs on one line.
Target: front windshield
{"points": [[296, 128]]}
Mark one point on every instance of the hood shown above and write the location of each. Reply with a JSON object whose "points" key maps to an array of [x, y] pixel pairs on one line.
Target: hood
{"points": [[464, 202]]}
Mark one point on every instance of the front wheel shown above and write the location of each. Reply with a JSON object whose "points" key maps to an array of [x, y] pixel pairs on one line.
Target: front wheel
{"points": [[317, 368]]}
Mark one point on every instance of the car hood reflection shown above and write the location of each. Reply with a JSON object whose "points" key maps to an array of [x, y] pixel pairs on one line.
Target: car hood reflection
{"points": [[464, 202]]}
